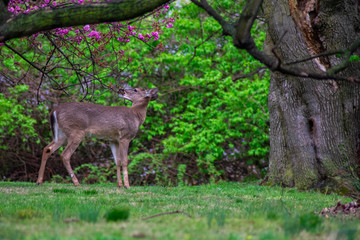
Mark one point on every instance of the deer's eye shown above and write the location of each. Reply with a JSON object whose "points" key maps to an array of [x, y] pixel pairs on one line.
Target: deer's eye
{"points": [[135, 90]]}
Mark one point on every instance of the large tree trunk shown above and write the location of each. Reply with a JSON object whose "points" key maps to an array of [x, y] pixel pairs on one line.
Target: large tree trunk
{"points": [[314, 125]]}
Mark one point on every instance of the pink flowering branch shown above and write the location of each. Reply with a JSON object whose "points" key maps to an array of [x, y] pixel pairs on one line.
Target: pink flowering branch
{"points": [[82, 51], [43, 19]]}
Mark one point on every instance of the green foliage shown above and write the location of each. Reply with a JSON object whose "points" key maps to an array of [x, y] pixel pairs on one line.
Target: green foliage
{"points": [[354, 58], [95, 174], [181, 173], [15, 117]]}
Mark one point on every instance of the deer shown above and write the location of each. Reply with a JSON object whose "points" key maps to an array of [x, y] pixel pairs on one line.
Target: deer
{"points": [[72, 121]]}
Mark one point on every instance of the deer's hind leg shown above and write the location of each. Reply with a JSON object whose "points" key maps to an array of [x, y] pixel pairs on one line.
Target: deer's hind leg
{"points": [[73, 142], [124, 147], [116, 153], [48, 150]]}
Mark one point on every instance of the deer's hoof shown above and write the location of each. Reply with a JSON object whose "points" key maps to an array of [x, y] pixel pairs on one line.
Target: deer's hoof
{"points": [[38, 184]]}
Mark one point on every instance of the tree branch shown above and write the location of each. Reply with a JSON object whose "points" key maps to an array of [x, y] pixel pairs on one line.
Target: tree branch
{"points": [[207, 39], [167, 213], [346, 59], [228, 29], [242, 39], [244, 24], [74, 15], [238, 76], [32, 64]]}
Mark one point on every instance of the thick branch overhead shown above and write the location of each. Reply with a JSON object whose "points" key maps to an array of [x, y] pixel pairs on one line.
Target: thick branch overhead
{"points": [[50, 18], [242, 39]]}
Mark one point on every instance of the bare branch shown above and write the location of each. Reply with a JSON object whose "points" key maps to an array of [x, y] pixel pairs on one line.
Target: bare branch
{"points": [[167, 213], [228, 29], [67, 59], [238, 76], [327, 53], [242, 36], [346, 60], [207, 39], [242, 39], [42, 75], [33, 65]]}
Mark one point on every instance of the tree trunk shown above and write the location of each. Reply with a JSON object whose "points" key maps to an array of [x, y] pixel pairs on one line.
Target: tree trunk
{"points": [[314, 125]]}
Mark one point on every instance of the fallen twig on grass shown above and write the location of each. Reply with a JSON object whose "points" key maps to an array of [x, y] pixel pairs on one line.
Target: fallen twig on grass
{"points": [[167, 213]]}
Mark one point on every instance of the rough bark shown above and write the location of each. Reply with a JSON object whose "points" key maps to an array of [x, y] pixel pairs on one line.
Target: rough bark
{"points": [[314, 125], [67, 16]]}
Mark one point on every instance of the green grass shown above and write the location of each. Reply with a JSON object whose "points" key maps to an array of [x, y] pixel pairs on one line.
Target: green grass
{"points": [[224, 211]]}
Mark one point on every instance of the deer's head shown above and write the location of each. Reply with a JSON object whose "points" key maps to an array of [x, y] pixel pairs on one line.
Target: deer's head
{"points": [[138, 94]]}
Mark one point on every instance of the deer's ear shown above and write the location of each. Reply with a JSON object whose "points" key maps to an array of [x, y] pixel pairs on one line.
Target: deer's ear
{"points": [[154, 90], [153, 94]]}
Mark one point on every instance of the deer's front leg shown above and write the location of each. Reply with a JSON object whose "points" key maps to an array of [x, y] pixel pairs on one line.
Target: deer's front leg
{"points": [[48, 150], [73, 143], [115, 149], [124, 146]]}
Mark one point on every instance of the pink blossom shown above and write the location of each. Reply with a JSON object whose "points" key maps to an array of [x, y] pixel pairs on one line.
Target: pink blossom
{"points": [[130, 28], [148, 35], [86, 28], [166, 7], [79, 39], [94, 34], [63, 31], [171, 19], [155, 35], [170, 25], [11, 9], [141, 37], [54, 4], [47, 1], [80, 1]]}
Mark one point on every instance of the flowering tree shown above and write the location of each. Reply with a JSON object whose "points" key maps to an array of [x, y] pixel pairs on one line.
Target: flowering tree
{"points": [[68, 48]]}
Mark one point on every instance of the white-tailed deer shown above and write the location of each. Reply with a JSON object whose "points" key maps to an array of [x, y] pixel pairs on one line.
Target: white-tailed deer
{"points": [[120, 124]]}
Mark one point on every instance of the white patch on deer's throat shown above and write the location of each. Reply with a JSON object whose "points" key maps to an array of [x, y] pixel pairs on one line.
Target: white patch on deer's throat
{"points": [[71, 175], [113, 150]]}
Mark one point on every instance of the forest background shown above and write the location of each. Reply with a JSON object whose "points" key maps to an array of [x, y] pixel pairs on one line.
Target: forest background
{"points": [[209, 124]]}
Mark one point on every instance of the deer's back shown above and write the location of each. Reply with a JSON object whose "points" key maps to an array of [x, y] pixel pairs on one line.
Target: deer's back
{"points": [[104, 121]]}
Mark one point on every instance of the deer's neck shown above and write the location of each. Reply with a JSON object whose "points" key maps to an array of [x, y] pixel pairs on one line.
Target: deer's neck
{"points": [[140, 110]]}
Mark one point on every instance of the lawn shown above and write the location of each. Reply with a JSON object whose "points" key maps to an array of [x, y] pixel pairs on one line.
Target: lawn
{"points": [[223, 211]]}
